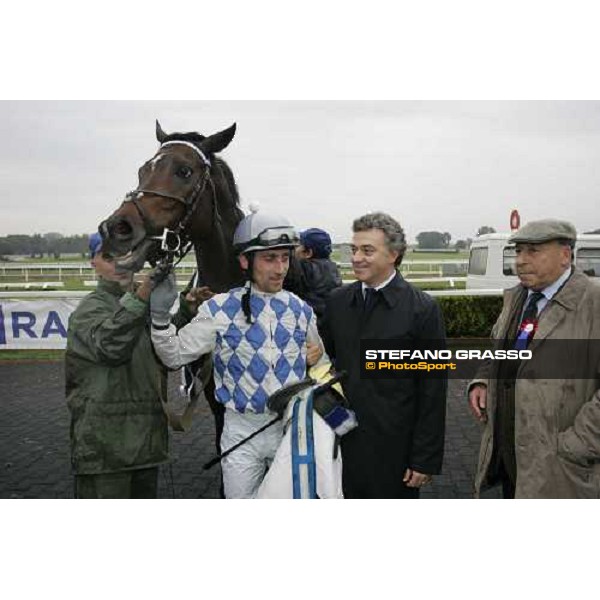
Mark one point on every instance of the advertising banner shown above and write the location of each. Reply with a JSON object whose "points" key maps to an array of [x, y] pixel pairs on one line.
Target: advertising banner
{"points": [[35, 324]]}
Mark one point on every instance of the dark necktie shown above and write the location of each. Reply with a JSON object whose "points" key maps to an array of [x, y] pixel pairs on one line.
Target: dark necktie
{"points": [[528, 323], [369, 298]]}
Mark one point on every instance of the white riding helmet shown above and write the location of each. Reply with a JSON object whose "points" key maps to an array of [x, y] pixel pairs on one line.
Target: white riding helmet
{"points": [[263, 231]]}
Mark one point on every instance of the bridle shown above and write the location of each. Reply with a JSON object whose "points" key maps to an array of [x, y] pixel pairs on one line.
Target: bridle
{"points": [[176, 243]]}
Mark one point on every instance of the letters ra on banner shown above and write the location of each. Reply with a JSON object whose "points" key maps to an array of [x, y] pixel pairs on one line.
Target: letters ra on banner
{"points": [[35, 324]]}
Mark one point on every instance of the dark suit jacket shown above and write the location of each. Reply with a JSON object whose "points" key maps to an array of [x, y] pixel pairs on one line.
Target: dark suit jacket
{"points": [[401, 421]]}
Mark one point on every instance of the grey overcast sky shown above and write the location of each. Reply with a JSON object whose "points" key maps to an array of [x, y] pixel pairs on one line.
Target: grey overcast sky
{"points": [[434, 165]]}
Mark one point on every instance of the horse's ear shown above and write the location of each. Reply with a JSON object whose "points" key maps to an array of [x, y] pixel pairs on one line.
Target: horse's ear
{"points": [[218, 141], [160, 134]]}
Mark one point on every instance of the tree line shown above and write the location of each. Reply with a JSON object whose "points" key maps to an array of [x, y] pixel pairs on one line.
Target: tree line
{"points": [[53, 244], [40, 245], [436, 240]]}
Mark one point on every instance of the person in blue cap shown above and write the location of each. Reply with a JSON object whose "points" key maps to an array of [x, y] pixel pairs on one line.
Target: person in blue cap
{"points": [[94, 244], [313, 275]]}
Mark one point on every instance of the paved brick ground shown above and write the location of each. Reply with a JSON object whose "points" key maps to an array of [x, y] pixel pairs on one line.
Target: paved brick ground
{"points": [[34, 448]]}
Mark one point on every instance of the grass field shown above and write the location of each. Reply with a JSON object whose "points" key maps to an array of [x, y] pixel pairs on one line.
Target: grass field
{"points": [[37, 355], [433, 256], [337, 255], [65, 258], [411, 255]]}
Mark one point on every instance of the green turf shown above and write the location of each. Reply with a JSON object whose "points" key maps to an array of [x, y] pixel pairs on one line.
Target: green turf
{"points": [[16, 355], [77, 258], [433, 256]]}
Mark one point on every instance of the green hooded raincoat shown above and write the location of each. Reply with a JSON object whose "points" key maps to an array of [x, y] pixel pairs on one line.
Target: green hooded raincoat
{"points": [[113, 385]]}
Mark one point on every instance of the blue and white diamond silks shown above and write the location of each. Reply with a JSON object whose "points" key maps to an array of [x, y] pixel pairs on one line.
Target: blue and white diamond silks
{"points": [[282, 336], [232, 337], [258, 368], [282, 370], [253, 360], [255, 335]]}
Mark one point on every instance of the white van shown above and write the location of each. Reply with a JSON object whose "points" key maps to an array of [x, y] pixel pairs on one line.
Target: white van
{"points": [[492, 260]]}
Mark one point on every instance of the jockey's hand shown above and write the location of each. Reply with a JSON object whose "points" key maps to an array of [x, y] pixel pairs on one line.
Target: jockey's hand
{"points": [[162, 298], [478, 401], [414, 479], [196, 296], [313, 353], [159, 273]]}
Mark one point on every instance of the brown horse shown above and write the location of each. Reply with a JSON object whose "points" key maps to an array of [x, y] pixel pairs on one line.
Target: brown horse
{"points": [[185, 196]]}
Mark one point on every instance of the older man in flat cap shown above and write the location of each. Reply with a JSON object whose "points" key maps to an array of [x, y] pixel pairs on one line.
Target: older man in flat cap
{"points": [[542, 415]]}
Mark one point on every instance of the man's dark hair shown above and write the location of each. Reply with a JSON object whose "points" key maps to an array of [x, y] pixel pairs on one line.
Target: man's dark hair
{"points": [[392, 230]]}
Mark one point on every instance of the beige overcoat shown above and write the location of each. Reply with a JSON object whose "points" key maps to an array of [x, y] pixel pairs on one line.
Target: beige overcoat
{"points": [[557, 410]]}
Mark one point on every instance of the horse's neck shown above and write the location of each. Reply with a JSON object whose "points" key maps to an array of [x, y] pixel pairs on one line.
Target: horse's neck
{"points": [[218, 266]]}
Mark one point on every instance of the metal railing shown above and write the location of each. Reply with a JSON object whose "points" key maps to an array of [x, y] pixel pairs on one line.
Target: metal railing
{"points": [[61, 270], [35, 272]]}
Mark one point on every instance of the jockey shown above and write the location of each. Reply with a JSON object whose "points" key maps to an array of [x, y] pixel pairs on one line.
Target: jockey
{"points": [[260, 335]]}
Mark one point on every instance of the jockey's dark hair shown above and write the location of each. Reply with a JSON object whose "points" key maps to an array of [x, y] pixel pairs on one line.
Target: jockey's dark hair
{"points": [[246, 297]]}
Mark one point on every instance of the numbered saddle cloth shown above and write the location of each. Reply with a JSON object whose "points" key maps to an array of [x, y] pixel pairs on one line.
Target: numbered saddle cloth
{"points": [[307, 463]]}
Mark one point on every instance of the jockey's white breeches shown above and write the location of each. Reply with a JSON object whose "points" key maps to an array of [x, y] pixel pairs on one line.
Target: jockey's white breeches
{"points": [[244, 469]]}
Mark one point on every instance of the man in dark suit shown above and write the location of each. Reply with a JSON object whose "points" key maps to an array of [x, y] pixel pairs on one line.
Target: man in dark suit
{"points": [[399, 442]]}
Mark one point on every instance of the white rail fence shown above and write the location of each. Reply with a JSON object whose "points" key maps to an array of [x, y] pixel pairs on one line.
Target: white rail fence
{"points": [[54, 275]]}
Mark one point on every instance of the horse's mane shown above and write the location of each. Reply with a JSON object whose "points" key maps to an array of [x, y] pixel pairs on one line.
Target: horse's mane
{"points": [[233, 197]]}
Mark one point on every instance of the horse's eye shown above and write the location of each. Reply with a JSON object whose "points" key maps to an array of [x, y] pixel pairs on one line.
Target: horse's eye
{"points": [[184, 172]]}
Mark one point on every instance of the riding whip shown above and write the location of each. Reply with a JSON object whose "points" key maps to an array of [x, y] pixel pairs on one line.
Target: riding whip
{"points": [[276, 401]]}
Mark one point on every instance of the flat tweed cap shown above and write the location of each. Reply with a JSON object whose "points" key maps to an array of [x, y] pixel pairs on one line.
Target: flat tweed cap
{"points": [[538, 232]]}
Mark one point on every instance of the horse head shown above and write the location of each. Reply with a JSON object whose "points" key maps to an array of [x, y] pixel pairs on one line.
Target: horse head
{"points": [[177, 201]]}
